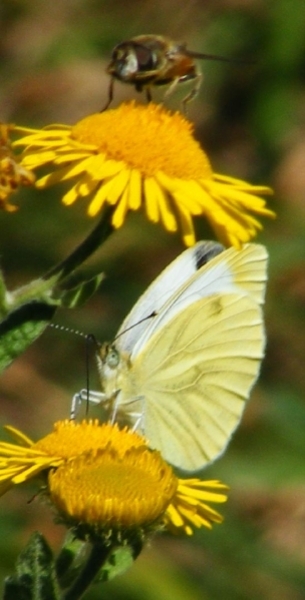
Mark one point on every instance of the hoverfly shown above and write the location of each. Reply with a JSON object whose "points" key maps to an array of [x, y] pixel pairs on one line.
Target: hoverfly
{"points": [[148, 60]]}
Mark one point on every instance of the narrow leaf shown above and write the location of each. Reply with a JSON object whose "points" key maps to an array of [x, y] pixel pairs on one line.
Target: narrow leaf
{"points": [[35, 577], [21, 327], [79, 294]]}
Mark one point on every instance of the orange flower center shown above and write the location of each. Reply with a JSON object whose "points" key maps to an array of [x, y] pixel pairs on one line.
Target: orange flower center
{"points": [[148, 138]]}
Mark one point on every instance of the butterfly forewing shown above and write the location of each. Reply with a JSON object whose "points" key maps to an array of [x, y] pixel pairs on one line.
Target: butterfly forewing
{"points": [[173, 278], [249, 270], [232, 271]]}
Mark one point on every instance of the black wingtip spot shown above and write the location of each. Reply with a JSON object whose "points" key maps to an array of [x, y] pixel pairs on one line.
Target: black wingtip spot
{"points": [[205, 252]]}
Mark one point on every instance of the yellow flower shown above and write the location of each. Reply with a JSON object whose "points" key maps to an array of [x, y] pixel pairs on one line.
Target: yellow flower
{"points": [[12, 174], [138, 155], [106, 483]]}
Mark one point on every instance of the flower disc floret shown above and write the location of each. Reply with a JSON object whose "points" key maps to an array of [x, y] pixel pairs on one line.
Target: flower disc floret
{"points": [[106, 490], [146, 138]]}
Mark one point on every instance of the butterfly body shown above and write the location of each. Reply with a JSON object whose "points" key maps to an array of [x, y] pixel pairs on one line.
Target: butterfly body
{"points": [[182, 376]]}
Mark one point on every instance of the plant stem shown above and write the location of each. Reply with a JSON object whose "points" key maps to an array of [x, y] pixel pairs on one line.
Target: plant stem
{"points": [[97, 557], [97, 236]]}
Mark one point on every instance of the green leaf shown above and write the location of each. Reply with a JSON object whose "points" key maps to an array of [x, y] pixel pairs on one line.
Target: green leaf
{"points": [[21, 327], [35, 577], [2, 294], [79, 294]]}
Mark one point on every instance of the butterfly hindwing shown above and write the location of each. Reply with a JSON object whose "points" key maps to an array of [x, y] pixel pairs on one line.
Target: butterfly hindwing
{"points": [[196, 375]]}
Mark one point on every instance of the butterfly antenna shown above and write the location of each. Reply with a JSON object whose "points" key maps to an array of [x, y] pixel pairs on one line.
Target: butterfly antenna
{"points": [[68, 330], [151, 316], [90, 338]]}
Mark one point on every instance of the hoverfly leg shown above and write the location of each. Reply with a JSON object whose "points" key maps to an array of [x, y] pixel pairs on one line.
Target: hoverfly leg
{"points": [[193, 93], [171, 88], [148, 94], [110, 95]]}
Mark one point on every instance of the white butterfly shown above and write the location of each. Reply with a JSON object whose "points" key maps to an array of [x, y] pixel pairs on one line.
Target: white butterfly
{"points": [[186, 357]]}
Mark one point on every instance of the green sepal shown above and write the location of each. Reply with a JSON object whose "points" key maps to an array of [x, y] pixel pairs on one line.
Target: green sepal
{"points": [[81, 562], [71, 559], [75, 553], [35, 577], [118, 561]]}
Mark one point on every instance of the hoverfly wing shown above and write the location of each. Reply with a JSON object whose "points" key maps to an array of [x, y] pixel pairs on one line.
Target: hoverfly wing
{"points": [[200, 55]]}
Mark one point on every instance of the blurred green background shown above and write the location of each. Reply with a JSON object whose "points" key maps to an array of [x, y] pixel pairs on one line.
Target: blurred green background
{"points": [[251, 120]]}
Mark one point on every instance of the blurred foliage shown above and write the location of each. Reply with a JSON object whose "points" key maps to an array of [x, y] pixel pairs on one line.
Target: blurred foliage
{"points": [[251, 119]]}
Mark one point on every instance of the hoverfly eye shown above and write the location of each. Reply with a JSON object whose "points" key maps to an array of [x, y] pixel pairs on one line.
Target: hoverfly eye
{"points": [[146, 58], [117, 54]]}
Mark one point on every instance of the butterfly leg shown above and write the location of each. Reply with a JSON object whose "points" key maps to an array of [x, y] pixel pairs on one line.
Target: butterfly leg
{"points": [[137, 417], [85, 396], [75, 404], [138, 421], [115, 403], [134, 419], [133, 416]]}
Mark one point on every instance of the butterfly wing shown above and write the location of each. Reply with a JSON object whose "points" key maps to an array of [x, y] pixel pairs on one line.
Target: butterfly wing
{"points": [[195, 364], [162, 290], [195, 376], [231, 271]]}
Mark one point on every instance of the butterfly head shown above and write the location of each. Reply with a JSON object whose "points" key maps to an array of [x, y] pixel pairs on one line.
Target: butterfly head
{"points": [[108, 356]]}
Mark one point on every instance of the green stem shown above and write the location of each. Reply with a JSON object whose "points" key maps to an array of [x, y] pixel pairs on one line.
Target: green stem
{"points": [[97, 236], [97, 558], [41, 289]]}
